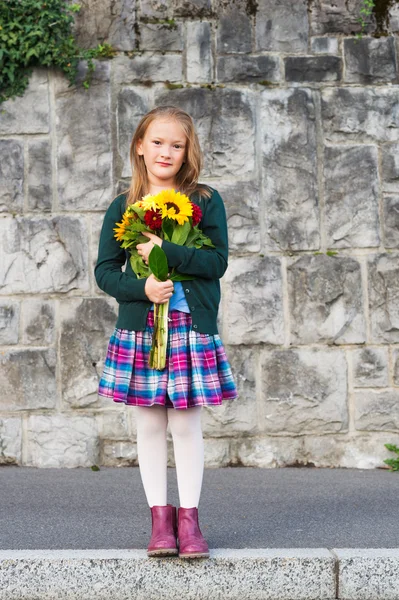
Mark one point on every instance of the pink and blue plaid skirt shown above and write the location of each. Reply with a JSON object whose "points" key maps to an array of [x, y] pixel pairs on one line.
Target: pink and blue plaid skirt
{"points": [[197, 371]]}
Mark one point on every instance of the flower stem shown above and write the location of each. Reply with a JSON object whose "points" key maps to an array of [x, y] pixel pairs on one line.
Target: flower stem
{"points": [[157, 358]]}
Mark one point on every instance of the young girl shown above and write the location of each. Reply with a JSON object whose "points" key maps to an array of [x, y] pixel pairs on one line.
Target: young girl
{"points": [[165, 154]]}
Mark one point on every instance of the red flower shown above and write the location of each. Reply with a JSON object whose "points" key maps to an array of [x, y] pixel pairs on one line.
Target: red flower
{"points": [[197, 214], [153, 219]]}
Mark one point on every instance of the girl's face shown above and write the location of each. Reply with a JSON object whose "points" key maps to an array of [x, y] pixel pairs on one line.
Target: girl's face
{"points": [[164, 150]]}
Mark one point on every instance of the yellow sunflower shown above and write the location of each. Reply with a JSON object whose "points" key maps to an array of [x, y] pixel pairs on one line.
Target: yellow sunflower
{"points": [[148, 202], [120, 228], [174, 205]]}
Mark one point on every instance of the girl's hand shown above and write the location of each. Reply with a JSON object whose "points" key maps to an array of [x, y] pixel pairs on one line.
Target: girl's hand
{"points": [[158, 291], [145, 248]]}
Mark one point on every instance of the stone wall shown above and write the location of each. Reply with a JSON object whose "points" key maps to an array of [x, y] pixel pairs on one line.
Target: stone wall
{"points": [[299, 124]]}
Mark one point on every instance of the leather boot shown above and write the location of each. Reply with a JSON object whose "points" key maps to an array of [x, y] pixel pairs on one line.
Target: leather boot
{"points": [[163, 536], [191, 541]]}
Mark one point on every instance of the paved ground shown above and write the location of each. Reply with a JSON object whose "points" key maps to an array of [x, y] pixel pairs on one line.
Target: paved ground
{"points": [[239, 508]]}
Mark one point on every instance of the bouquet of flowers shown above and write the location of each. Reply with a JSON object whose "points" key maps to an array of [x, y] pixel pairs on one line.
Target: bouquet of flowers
{"points": [[173, 217]]}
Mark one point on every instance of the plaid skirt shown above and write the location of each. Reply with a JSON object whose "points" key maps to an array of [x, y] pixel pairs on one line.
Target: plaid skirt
{"points": [[197, 371]]}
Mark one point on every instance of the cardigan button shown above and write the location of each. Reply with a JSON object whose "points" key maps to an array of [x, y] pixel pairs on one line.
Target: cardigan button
{"points": [[192, 307], [195, 326], [188, 291]]}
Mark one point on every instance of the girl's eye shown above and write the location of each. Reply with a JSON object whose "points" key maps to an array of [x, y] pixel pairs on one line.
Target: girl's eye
{"points": [[156, 142]]}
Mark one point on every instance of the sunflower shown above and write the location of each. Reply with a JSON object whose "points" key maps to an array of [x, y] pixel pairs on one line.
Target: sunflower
{"points": [[174, 205], [120, 228], [148, 202]]}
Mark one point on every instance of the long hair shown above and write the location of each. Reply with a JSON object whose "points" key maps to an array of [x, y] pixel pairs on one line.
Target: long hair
{"points": [[187, 177]]}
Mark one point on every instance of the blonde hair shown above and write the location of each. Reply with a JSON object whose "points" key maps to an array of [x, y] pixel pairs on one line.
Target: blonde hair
{"points": [[187, 177]]}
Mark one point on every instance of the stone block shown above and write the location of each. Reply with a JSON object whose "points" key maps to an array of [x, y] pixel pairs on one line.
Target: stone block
{"points": [[155, 8], [289, 169], [282, 26], [383, 282], [370, 60], [266, 452], [324, 45], [395, 359], [133, 104], [248, 68], [242, 203], [337, 16], [115, 425], [110, 22], [10, 440], [361, 451], [29, 113], [313, 68], [197, 9], [118, 454], [225, 122], [370, 367], [199, 53], [84, 154], [161, 37], [86, 326], [27, 379], [147, 68], [9, 321], [216, 453], [236, 416], [325, 300], [39, 175], [377, 411], [253, 300], [372, 569], [390, 167], [11, 175], [43, 255], [38, 321], [175, 8], [391, 221], [234, 32], [351, 196], [394, 18], [360, 114], [62, 441], [304, 391]]}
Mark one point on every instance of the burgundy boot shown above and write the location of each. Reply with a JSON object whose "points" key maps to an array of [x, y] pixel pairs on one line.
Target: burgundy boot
{"points": [[191, 541], [163, 537]]}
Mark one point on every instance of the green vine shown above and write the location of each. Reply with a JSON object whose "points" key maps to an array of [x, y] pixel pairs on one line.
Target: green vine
{"points": [[392, 462], [365, 12], [37, 33]]}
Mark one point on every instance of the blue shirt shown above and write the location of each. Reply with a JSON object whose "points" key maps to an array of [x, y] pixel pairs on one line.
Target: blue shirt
{"points": [[178, 300]]}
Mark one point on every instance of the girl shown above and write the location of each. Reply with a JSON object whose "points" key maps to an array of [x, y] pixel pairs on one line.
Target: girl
{"points": [[165, 154]]}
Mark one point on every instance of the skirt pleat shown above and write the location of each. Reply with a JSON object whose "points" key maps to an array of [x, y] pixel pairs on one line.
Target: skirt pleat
{"points": [[197, 371]]}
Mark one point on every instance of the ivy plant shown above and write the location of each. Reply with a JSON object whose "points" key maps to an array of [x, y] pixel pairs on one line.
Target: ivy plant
{"points": [[393, 463], [365, 12], [40, 33]]}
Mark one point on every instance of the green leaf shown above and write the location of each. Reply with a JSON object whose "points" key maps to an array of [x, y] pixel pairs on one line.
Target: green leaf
{"points": [[167, 228], [158, 263], [138, 266], [180, 233], [181, 277]]}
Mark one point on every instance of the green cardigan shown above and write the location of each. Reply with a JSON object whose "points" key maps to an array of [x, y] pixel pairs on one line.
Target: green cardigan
{"points": [[207, 264]]}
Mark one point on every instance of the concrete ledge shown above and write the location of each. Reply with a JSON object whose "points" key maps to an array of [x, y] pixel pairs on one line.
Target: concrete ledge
{"points": [[244, 574]]}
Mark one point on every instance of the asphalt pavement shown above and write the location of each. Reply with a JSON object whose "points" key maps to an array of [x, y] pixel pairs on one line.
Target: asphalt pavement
{"points": [[239, 508]]}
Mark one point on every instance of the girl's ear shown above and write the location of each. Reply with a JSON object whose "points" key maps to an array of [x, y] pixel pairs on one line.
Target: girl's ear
{"points": [[139, 147]]}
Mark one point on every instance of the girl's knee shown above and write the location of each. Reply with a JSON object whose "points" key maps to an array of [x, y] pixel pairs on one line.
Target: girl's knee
{"points": [[151, 420], [185, 422]]}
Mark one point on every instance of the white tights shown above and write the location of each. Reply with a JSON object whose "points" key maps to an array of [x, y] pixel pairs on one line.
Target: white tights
{"points": [[188, 444]]}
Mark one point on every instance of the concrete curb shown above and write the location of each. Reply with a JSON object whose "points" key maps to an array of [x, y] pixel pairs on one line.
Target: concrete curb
{"points": [[229, 574]]}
